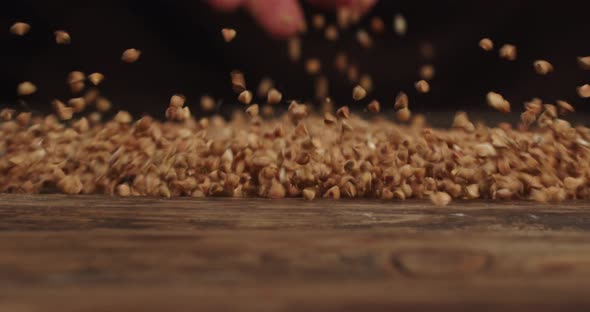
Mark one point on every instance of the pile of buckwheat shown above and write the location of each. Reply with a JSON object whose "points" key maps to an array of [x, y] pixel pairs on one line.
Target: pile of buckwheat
{"points": [[303, 153]]}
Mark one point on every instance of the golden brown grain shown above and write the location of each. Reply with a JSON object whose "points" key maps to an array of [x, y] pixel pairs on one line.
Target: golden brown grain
{"points": [[343, 112], [565, 107], [276, 191], [96, 78], [245, 97], [75, 76], [62, 111], [95, 118], [401, 101], [484, 150], [364, 39], [542, 67], [358, 93], [331, 33], [318, 21], [294, 49], [400, 26], [274, 96], [403, 114], [539, 195], [472, 191], [62, 37], [264, 86], [302, 28], [24, 118], [327, 105], [440, 199], [70, 184], [329, 119], [26, 88], [550, 110], [498, 102], [341, 62], [20, 28], [228, 34], [76, 81], [297, 111], [508, 52], [164, 191], [253, 110], [584, 91], [313, 66], [366, 82], [584, 62], [279, 131], [303, 158], [123, 117], [207, 103], [534, 106], [333, 193], [422, 86], [426, 72], [344, 17], [261, 161], [461, 121], [426, 50], [267, 111], [91, 96], [374, 106], [7, 113], [77, 87], [238, 81], [377, 25], [177, 100], [572, 184], [123, 190], [486, 44], [352, 73], [322, 90], [77, 104], [103, 105], [144, 123], [309, 194], [177, 113], [130, 55]]}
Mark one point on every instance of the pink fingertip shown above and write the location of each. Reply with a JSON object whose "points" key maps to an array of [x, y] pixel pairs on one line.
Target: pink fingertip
{"points": [[361, 5], [364, 5], [281, 18], [226, 5], [331, 4]]}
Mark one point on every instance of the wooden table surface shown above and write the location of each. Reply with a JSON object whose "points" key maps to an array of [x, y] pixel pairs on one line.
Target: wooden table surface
{"points": [[62, 253]]}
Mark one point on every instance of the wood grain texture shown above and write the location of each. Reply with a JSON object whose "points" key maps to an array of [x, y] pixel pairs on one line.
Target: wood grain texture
{"points": [[96, 253]]}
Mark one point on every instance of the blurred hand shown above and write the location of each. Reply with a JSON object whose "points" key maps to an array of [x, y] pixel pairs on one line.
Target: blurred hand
{"points": [[283, 18]]}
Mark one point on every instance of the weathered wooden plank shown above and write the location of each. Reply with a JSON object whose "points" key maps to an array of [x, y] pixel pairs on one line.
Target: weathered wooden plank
{"points": [[57, 212], [97, 253]]}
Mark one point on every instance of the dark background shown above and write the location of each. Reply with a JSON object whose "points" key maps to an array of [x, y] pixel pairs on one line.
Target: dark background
{"points": [[183, 52]]}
